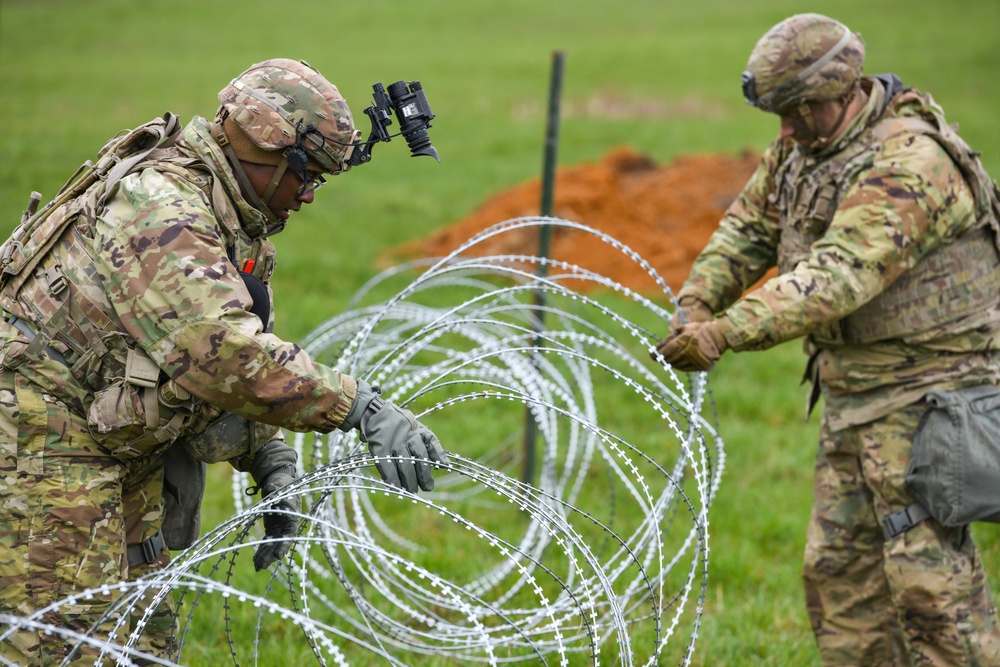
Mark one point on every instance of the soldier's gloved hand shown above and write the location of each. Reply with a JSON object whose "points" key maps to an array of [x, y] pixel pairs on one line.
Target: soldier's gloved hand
{"points": [[391, 432], [691, 309], [273, 468], [696, 347]]}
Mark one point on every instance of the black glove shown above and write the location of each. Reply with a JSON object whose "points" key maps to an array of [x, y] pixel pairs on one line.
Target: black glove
{"points": [[273, 468], [394, 436]]}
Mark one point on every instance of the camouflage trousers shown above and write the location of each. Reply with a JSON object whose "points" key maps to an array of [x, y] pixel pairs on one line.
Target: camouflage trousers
{"points": [[67, 512], [920, 598]]}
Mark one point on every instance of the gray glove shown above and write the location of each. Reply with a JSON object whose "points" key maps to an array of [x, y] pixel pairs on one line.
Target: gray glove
{"points": [[273, 468], [394, 437]]}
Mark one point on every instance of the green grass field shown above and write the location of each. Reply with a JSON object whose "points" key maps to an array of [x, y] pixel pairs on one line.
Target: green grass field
{"points": [[75, 72]]}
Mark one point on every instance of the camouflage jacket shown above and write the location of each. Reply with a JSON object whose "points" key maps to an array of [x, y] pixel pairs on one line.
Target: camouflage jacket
{"points": [[155, 276], [888, 209]]}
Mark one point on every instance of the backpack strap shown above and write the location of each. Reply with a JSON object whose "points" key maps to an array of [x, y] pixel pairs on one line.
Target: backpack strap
{"points": [[29, 241], [159, 136]]}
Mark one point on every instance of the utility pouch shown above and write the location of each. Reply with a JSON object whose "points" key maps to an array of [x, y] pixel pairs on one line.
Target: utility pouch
{"points": [[114, 408], [183, 489], [228, 436], [122, 420], [127, 418], [954, 469]]}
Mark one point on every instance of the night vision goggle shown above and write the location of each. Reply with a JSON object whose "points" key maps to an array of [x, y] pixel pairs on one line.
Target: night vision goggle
{"points": [[412, 111]]}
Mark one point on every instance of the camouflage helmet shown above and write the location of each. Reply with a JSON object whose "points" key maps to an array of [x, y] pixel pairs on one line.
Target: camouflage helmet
{"points": [[281, 103], [805, 58]]}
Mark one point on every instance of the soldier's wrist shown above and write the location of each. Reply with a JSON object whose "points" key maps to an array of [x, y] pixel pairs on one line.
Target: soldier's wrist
{"points": [[720, 329], [692, 296], [272, 457], [362, 399]]}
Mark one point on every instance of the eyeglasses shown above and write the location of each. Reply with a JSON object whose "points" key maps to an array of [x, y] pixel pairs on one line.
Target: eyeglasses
{"points": [[310, 183]]}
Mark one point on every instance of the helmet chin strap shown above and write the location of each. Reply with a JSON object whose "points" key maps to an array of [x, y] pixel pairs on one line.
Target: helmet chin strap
{"points": [[848, 98], [279, 171], [259, 202], [805, 113], [821, 142]]}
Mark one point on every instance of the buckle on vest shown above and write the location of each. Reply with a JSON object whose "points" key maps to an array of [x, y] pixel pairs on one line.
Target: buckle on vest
{"points": [[7, 251], [54, 278], [105, 164]]}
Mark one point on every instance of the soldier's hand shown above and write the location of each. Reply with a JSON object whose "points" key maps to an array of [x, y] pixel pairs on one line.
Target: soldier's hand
{"points": [[403, 447], [273, 469], [695, 347], [690, 309]]}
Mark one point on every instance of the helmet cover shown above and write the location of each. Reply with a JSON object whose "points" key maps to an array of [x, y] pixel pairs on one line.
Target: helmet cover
{"points": [[805, 58], [281, 102]]}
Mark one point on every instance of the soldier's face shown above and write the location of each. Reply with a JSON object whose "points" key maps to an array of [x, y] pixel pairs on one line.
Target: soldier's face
{"points": [[286, 197], [795, 125]]}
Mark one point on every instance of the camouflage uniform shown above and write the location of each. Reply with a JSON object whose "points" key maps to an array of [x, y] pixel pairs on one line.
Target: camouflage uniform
{"points": [[889, 269], [137, 342], [79, 475]]}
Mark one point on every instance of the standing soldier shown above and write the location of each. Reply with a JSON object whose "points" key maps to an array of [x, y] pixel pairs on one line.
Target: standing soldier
{"points": [[138, 315], [883, 226]]}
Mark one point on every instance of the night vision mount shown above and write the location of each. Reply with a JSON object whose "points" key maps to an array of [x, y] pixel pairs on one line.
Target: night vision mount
{"points": [[412, 112]]}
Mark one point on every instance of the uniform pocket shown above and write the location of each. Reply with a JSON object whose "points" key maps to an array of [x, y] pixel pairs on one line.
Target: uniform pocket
{"points": [[32, 427], [8, 425], [61, 526]]}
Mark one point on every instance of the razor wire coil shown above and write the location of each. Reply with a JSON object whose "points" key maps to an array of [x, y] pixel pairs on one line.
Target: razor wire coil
{"points": [[602, 560]]}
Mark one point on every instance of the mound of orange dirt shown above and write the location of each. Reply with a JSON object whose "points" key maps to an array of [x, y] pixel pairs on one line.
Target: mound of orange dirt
{"points": [[664, 213]]}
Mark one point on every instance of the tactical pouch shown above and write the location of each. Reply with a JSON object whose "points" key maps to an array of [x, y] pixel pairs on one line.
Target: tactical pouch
{"points": [[127, 417], [183, 490], [230, 438], [115, 408], [954, 469]]}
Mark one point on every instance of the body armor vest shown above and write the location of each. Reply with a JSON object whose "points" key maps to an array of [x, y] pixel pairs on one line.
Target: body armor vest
{"points": [[953, 289], [51, 291]]}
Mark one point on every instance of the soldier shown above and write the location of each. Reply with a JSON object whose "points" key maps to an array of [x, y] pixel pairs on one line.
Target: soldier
{"points": [[138, 314], [883, 227]]}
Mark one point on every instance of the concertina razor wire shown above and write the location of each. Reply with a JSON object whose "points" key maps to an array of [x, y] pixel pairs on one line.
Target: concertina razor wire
{"points": [[601, 560]]}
